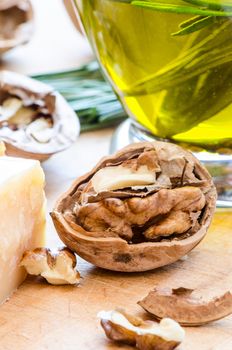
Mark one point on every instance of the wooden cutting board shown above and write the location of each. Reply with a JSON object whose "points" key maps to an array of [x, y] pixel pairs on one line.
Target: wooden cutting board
{"points": [[40, 316]]}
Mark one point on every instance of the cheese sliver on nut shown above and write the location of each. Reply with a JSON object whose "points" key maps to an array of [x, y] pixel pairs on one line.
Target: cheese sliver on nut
{"points": [[22, 218]]}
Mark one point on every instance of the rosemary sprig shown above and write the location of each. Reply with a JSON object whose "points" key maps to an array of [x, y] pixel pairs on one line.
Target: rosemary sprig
{"points": [[207, 14], [198, 99], [212, 4], [190, 21], [194, 24], [89, 95], [181, 9], [215, 49]]}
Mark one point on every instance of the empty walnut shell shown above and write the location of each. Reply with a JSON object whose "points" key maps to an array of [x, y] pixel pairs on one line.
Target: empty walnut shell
{"points": [[16, 18], [144, 207], [35, 120]]}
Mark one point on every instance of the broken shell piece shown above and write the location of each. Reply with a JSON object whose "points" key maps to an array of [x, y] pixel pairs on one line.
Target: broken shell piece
{"points": [[35, 121], [114, 224], [186, 309], [57, 268], [17, 24], [146, 335]]}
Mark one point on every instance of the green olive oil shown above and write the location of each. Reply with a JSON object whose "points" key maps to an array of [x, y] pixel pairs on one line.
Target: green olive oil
{"points": [[170, 64]]}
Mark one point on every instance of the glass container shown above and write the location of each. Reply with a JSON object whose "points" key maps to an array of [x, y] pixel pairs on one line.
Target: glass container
{"points": [[170, 64]]}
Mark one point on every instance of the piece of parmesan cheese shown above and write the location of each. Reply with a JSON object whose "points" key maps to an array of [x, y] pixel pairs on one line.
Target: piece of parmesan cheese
{"points": [[22, 218]]}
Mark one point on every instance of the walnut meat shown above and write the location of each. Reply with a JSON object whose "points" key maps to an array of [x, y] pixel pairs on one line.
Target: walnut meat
{"points": [[57, 268], [145, 335], [35, 120], [142, 208]]}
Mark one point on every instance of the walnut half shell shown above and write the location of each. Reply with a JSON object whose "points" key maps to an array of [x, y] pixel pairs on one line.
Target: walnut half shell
{"points": [[35, 120], [142, 208], [16, 23]]}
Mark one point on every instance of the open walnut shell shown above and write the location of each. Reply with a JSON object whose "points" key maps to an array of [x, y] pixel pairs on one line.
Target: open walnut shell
{"points": [[144, 207], [16, 18], [35, 121]]}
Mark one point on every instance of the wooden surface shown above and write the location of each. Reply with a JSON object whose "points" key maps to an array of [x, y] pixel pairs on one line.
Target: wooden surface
{"points": [[40, 316]]}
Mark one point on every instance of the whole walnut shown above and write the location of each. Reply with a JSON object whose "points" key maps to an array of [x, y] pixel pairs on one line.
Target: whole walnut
{"points": [[144, 207]]}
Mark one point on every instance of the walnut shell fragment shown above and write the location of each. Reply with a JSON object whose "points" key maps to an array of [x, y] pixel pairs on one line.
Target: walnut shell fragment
{"points": [[57, 268], [184, 308], [35, 120], [144, 207], [17, 23], [145, 335]]}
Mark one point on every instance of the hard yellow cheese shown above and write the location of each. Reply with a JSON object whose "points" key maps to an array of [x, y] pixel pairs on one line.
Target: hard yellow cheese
{"points": [[22, 218], [2, 148]]}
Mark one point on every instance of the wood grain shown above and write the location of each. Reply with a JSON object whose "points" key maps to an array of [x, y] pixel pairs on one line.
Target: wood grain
{"points": [[40, 316]]}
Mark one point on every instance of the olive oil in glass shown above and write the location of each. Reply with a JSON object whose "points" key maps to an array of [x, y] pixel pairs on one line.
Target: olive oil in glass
{"points": [[170, 63]]}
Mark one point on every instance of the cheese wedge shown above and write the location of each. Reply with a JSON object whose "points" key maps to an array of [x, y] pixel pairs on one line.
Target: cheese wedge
{"points": [[22, 218], [2, 148]]}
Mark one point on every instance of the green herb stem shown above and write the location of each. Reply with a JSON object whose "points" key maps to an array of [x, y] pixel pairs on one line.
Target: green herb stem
{"points": [[88, 94], [181, 9], [213, 4], [210, 52], [195, 24]]}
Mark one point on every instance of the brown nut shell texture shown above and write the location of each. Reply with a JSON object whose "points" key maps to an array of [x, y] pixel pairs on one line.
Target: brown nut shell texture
{"points": [[35, 120], [141, 208], [145, 335], [16, 23], [185, 308]]}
